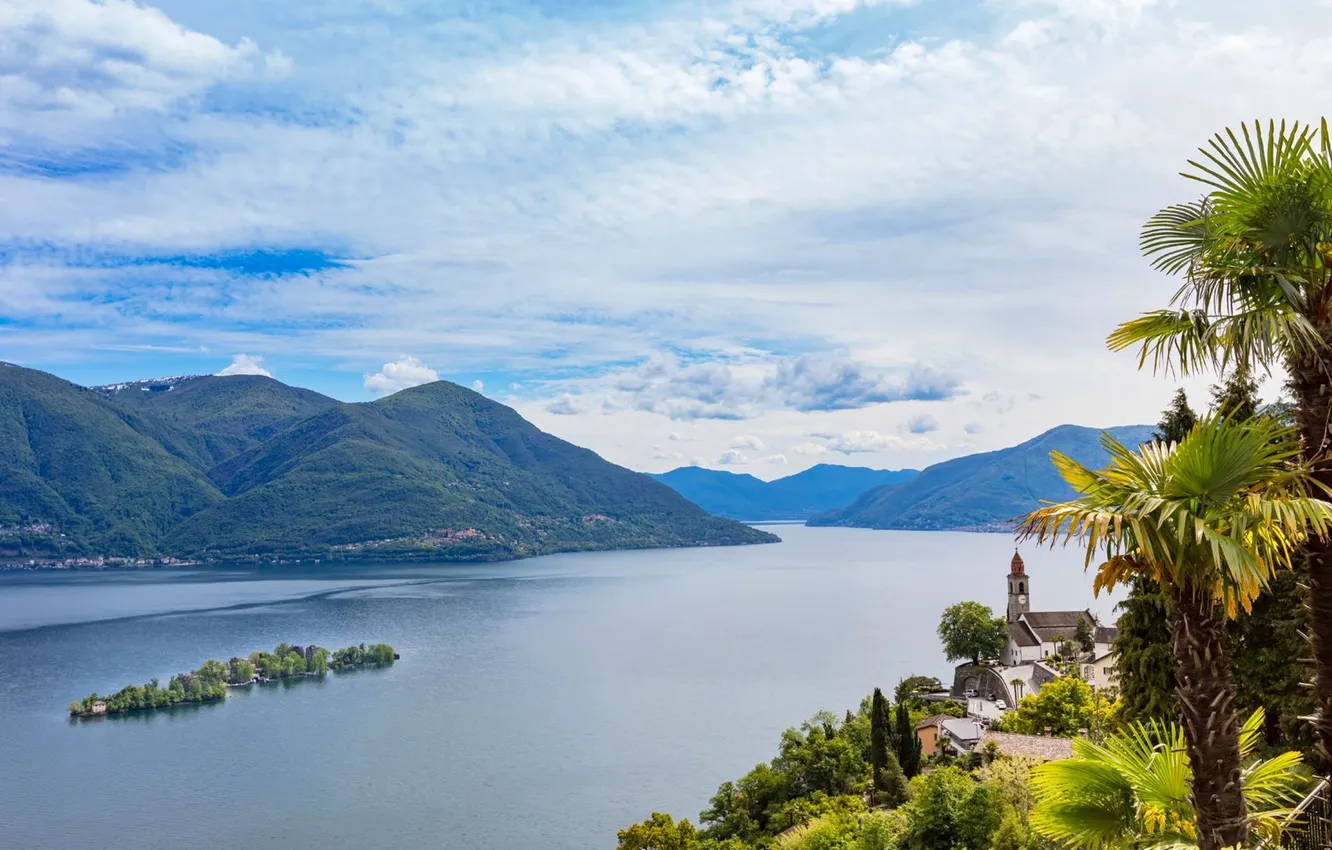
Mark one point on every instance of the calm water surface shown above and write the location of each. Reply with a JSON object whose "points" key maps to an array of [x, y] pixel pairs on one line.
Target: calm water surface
{"points": [[541, 704]]}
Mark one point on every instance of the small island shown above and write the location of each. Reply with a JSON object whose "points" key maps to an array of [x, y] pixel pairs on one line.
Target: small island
{"points": [[209, 683]]}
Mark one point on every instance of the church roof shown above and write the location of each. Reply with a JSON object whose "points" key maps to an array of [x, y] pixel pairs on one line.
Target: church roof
{"points": [[1048, 625], [1106, 634], [1016, 566], [1022, 635]]}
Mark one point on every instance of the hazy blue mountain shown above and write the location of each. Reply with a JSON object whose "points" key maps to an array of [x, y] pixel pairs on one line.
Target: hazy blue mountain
{"points": [[436, 471], [795, 497], [981, 491]]}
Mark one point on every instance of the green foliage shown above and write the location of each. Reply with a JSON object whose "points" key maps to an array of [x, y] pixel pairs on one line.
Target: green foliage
{"points": [[949, 809], [969, 630], [210, 681], [659, 832], [823, 763], [1133, 790], [1083, 637], [1177, 420], [881, 731], [1063, 706], [911, 686], [1146, 671], [232, 467], [908, 744], [1268, 655], [983, 491]]}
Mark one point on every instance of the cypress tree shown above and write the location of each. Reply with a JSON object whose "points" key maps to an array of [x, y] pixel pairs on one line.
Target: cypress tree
{"points": [[1237, 398], [1177, 420], [880, 733], [893, 790], [1142, 653], [908, 745]]}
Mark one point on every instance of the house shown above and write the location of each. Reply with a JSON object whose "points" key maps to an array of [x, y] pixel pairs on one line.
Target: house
{"points": [[1036, 635], [98, 707], [959, 735], [1101, 672], [927, 732], [1039, 747]]}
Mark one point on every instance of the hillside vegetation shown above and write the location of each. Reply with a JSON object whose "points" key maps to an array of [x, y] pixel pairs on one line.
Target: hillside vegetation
{"points": [[245, 466]]}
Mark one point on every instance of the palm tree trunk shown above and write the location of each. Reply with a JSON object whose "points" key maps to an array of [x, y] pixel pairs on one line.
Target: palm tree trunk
{"points": [[1211, 722], [1312, 385]]}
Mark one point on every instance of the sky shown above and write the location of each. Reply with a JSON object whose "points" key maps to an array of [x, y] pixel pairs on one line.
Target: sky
{"points": [[753, 235]]}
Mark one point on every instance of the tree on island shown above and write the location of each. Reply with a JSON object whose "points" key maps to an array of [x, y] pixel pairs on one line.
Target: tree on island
{"points": [[1212, 519], [969, 630]]}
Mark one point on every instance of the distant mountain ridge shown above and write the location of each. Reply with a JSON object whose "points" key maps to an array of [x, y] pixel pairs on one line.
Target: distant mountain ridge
{"points": [[241, 466], [982, 492], [795, 497]]}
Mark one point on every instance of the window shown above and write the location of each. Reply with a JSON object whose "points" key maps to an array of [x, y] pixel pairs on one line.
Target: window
{"points": [[1022, 587], [1108, 670]]}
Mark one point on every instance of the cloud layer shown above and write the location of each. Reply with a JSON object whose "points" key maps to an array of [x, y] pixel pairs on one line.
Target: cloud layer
{"points": [[914, 220]]}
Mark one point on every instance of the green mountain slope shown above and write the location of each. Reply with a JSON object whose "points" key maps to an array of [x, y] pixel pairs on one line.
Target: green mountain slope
{"points": [[210, 418], [424, 466], [436, 471], [89, 469], [983, 491], [795, 497]]}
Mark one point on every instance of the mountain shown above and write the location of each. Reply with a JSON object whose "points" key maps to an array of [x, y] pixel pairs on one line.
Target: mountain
{"points": [[800, 496], [81, 474], [226, 467], [982, 491], [220, 417]]}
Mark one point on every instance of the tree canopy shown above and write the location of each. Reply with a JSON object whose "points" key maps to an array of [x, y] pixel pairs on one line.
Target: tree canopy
{"points": [[969, 630]]}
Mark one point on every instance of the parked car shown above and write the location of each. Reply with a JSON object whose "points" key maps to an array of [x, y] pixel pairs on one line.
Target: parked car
{"points": [[1001, 705], [969, 693]]}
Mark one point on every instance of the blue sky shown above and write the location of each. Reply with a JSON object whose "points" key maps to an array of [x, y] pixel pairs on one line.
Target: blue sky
{"points": [[756, 234]]}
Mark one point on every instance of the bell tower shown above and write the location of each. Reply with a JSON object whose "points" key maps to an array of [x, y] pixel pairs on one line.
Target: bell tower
{"points": [[1019, 600]]}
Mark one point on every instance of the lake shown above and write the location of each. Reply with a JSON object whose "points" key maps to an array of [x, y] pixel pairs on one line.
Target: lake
{"points": [[538, 704]]}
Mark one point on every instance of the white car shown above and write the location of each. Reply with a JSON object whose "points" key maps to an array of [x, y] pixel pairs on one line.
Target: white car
{"points": [[969, 693], [1001, 705]]}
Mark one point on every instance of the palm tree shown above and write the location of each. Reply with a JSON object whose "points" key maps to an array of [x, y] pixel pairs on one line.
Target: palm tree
{"points": [[1211, 519], [1132, 790], [1255, 253]]}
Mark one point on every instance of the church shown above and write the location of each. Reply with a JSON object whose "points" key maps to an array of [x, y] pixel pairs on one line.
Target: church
{"points": [[1026, 664], [1036, 635]]}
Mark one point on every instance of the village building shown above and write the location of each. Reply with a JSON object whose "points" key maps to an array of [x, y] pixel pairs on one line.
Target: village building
{"points": [[927, 732], [1037, 640], [1037, 635]]}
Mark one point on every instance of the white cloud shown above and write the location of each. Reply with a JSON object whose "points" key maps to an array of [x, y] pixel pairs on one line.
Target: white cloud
{"points": [[744, 388], [478, 385], [732, 458], [580, 193], [244, 364], [747, 442], [864, 442], [94, 59], [408, 371], [775, 459]]}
